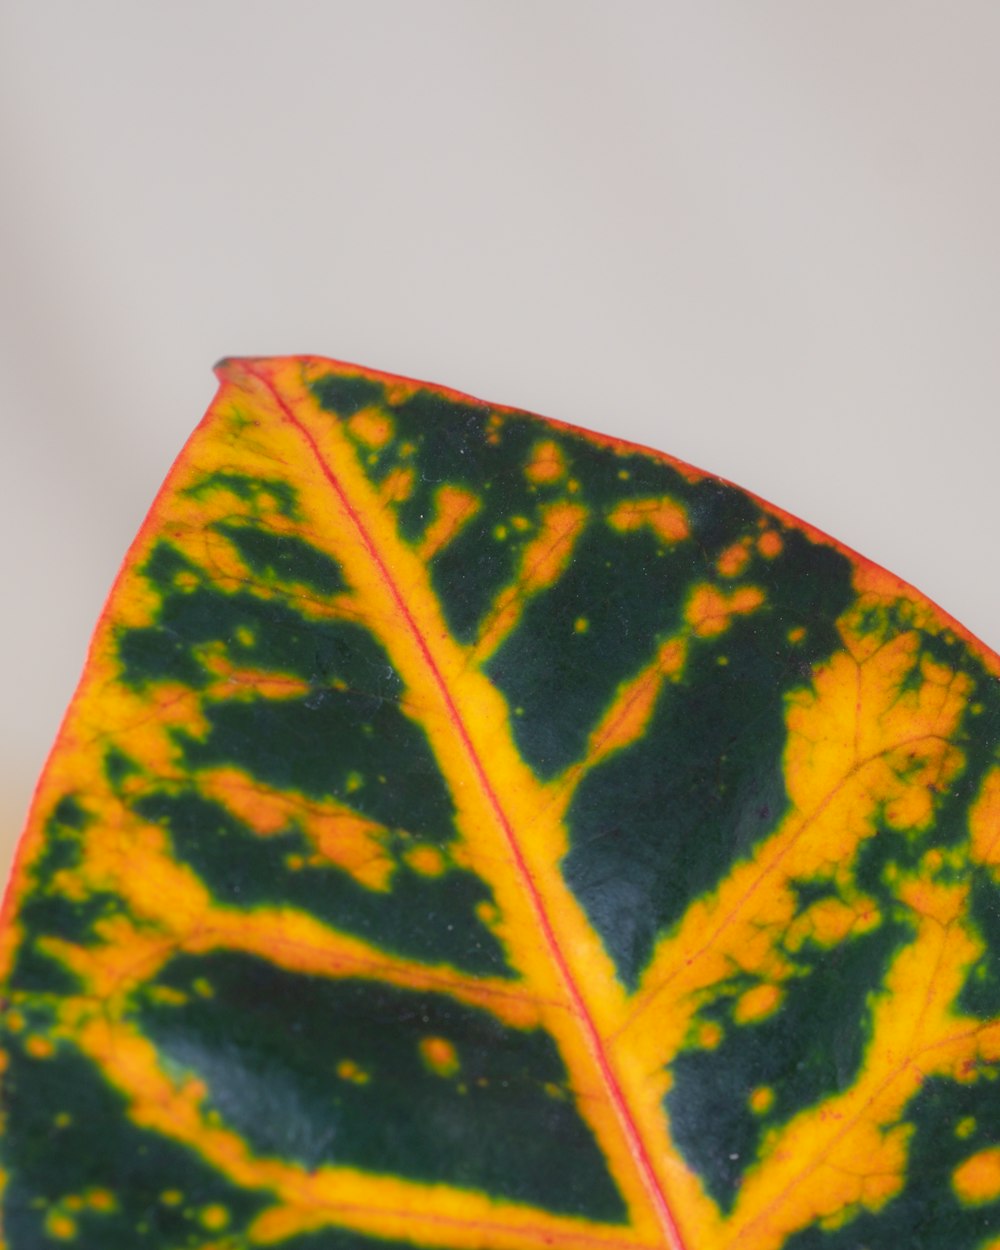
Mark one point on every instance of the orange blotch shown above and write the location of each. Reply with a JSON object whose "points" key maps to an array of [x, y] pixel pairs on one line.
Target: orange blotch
{"points": [[338, 834], [426, 860], [439, 1055], [710, 611], [757, 1004], [666, 517], [542, 561], [546, 464], [100, 1200], [977, 1180], [984, 822], [371, 427], [455, 507], [397, 486], [709, 1035], [734, 559], [770, 544], [39, 1048]]}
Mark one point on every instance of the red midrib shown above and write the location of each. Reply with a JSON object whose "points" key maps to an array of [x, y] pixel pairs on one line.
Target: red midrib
{"points": [[636, 1145]]}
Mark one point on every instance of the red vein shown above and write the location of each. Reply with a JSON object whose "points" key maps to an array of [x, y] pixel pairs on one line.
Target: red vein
{"points": [[637, 1147]]}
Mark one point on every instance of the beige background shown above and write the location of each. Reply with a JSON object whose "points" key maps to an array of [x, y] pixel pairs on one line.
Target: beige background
{"points": [[760, 235]]}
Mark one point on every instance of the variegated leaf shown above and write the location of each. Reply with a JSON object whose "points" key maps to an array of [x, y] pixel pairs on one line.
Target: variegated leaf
{"points": [[474, 832]]}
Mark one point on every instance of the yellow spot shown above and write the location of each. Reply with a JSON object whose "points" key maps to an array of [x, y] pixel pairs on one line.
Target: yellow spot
{"points": [[965, 1127], [709, 1035], [734, 559], [244, 636], [203, 988], [581, 625], [761, 1099], [15, 1021], [60, 1225], [709, 611], [454, 508], [546, 463], [370, 427], [665, 517], [171, 1197], [354, 782], [796, 634], [101, 1200], [830, 920], [977, 1180], [769, 544], [348, 1070], [63, 1120], [426, 860], [214, 1217], [439, 1055], [39, 1047], [757, 1003]]}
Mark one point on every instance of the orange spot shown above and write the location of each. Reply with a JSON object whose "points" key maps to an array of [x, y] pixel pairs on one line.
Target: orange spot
{"points": [[101, 1200], [770, 544], [734, 559], [39, 1047], [439, 1055], [977, 1180], [665, 517], [61, 1226], [426, 860], [371, 427], [546, 463], [348, 1070], [15, 1021], [761, 1099], [756, 1004], [709, 1035], [710, 611], [455, 508], [797, 634]]}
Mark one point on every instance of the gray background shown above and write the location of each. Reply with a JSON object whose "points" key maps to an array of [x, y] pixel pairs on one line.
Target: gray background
{"points": [[759, 235]]}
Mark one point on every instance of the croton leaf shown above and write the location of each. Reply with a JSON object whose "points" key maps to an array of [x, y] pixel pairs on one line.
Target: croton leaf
{"points": [[475, 832]]}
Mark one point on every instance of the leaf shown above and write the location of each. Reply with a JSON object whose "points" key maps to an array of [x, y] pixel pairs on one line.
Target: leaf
{"points": [[474, 832]]}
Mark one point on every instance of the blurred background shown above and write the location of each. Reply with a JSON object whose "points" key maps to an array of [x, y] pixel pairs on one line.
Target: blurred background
{"points": [[762, 237]]}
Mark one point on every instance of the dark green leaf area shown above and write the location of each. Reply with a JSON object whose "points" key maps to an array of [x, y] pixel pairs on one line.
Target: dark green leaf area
{"points": [[810, 1050], [344, 1239], [68, 1133], [343, 745], [198, 622], [345, 395], [927, 1214], [558, 677], [432, 919], [283, 558], [663, 821], [271, 1045], [46, 911]]}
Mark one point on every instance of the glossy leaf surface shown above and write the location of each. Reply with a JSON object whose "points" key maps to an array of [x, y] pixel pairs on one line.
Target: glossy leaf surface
{"points": [[474, 832]]}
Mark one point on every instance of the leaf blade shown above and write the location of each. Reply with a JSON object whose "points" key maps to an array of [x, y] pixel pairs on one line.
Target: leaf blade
{"points": [[391, 582]]}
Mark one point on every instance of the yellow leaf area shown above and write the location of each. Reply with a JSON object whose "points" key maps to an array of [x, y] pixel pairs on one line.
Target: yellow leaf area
{"points": [[872, 743]]}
